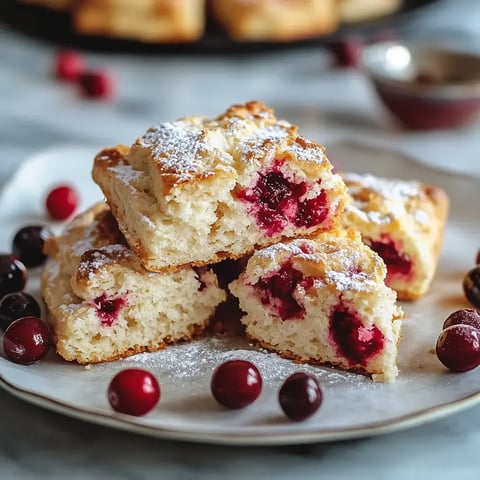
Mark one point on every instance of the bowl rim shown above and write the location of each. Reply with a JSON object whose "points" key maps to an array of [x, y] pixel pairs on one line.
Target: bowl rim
{"points": [[446, 91]]}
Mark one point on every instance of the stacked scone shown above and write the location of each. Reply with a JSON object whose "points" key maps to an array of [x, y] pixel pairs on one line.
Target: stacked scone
{"points": [[137, 274]]}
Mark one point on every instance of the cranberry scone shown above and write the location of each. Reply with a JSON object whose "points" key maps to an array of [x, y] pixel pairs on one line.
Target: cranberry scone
{"points": [[144, 20], [404, 222], [103, 305], [322, 300], [197, 190], [351, 11], [274, 20]]}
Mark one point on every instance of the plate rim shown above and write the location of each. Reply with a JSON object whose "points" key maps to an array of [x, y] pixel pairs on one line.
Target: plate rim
{"points": [[128, 423]]}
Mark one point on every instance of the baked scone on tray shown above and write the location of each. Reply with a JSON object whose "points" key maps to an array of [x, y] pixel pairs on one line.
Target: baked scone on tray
{"points": [[197, 190], [144, 20], [322, 300], [103, 305], [403, 221], [274, 20]]}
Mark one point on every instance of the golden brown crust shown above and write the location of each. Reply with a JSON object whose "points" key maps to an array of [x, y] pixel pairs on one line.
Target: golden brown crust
{"points": [[271, 20], [144, 20]]}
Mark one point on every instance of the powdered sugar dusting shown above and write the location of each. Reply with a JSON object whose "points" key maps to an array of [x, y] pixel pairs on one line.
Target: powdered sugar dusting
{"points": [[126, 174], [395, 195], [176, 145], [306, 154], [189, 362], [263, 140], [392, 189], [342, 268], [98, 258]]}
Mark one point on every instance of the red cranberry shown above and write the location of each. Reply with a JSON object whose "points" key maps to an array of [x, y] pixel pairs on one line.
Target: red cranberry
{"points": [[278, 290], [13, 274], [133, 391], [61, 202], [236, 384], [108, 308], [275, 202], [466, 316], [458, 348], [355, 342], [28, 243], [300, 396], [347, 52], [26, 340], [97, 85], [397, 263], [471, 286], [68, 65], [16, 305]]}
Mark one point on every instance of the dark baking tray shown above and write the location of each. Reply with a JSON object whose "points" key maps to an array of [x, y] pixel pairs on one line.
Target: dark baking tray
{"points": [[56, 28]]}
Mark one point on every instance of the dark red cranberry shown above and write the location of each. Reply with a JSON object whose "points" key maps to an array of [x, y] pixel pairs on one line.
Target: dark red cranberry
{"points": [[354, 341], [133, 391], [13, 274], [97, 85], [347, 52], [465, 316], [61, 202], [26, 340], [28, 243], [458, 348], [68, 65], [108, 308], [277, 291], [471, 286], [275, 202], [236, 384], [16, 305], [312, 211], [397, 263], [300, 396]]}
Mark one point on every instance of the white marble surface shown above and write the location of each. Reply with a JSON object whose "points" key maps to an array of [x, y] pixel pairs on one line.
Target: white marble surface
{"points": [[329, 105]]}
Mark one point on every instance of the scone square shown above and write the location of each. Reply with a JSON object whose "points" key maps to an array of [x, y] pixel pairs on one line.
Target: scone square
{"points": [[404, 222], [103, 305], [323, 301], [198, 190]]}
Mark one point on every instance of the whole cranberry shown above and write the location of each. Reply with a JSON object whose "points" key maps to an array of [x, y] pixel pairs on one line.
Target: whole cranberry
{"points": [[28, 244], [465, 316], [13, 274], [26, 340], [68, 65], [458, 348], [471, 286], [347, 51], [300, 396], [236, 384], [17, 305], [61, 202], [133, 391], [96, 84]]}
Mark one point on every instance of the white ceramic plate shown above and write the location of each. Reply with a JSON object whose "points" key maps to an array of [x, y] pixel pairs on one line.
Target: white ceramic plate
{"points": [[353, 406]]}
